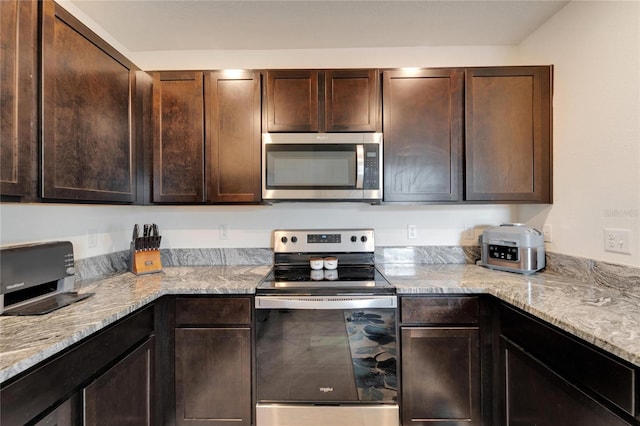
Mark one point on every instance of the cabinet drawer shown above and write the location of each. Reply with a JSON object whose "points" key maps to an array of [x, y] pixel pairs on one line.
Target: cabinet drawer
{"points": [[439, 310], [587, 367], [213, 310]]}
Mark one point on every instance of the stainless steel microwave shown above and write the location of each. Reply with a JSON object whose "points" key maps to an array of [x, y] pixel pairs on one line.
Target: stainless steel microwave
{"points": [[322, 166]]}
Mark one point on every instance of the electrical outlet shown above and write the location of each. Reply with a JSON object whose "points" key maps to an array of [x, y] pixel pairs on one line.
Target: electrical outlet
{"points": [[468, 233], [617, 240], [546, 231], [224, 231], [411, 232], [92, 238]]}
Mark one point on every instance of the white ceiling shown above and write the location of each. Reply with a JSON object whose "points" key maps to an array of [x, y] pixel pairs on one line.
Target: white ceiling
{"points": [[174, 25]]}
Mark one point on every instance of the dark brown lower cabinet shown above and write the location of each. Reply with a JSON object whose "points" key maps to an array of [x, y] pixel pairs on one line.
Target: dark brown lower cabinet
{"points": [[535, 395], [123, 395], [66, 414], [548, 377], [213, 361], [440, 376], [213, 376], [440, 352], [106, 379]]}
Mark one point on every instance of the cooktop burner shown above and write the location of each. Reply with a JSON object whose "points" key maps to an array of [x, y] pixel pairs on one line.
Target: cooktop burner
{"points": [[342, 280]]}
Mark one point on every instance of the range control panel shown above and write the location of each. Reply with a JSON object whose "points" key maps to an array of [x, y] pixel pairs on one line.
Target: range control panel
{"points": [[323, 241]]}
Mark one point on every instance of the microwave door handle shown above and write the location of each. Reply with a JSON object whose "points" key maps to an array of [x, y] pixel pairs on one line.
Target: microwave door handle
{"points": [[359, 166]]}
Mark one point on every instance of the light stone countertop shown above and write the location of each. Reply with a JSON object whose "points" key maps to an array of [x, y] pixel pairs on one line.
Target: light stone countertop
{"points": [[607, 317], [25, 341], [604, 316]]}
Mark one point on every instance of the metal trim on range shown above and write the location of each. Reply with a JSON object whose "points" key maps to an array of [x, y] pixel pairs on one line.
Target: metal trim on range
{"points": [[325, 302], [342, 415]]}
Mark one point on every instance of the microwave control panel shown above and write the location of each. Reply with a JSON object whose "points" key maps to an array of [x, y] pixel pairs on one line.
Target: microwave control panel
{"points": [[371, 166]]}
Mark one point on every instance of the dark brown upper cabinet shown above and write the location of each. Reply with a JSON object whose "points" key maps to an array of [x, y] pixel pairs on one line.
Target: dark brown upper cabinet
{"points": [[206, 137], [88, 89], [423, 135], [178, 137], [322, 101], [508, 134], [233, 120], [351, 102], [18, 97], [292, 101]]}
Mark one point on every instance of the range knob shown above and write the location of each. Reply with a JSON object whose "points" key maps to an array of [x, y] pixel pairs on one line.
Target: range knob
{"points": [[70, 270], [354, 238], [284, 240], [294, 239], [363, 238]]}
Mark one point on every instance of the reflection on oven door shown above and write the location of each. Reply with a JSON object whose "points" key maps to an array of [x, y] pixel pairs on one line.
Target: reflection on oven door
{"points": [[332, 356]]}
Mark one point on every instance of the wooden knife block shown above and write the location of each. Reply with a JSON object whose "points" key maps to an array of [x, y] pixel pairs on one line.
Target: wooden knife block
{"points": [[145, 261]]}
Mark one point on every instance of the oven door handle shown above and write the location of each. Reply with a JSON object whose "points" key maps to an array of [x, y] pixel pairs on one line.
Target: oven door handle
{"points": [[325, 302]]}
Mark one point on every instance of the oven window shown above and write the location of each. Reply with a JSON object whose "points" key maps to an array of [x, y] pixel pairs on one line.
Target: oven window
{"points": [[311, 166], [326, 356]]}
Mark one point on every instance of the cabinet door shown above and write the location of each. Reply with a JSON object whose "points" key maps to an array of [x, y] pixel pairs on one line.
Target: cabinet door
{"points": [[233, 140], [534, 395], [213, 376], [178, 137], [292, 101], [66, 414], [87, 114], [440, 376], [351, 100], [123, 394], [18, 97], [422, 121], [508, 134]]}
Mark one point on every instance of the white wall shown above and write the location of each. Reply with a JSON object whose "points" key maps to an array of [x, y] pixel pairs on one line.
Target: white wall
{"points": [[595, 48], [249, 226]]}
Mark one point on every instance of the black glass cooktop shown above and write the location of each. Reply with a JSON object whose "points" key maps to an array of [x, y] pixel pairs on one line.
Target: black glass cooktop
{"points": [[365, 279]]}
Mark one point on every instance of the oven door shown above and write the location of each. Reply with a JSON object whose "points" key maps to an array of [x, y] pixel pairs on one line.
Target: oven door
{"points": [[324, 356], [313, 167]]}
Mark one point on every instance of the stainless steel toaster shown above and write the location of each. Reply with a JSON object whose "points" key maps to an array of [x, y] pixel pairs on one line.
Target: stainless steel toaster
{"points": [[512, 247]]}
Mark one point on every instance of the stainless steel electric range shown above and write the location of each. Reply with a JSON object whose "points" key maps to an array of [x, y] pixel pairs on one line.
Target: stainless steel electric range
{"points": [[326, 346]]}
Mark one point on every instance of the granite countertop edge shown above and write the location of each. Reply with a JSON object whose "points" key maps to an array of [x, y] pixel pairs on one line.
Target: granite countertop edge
{"points": [[605, 317]]}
